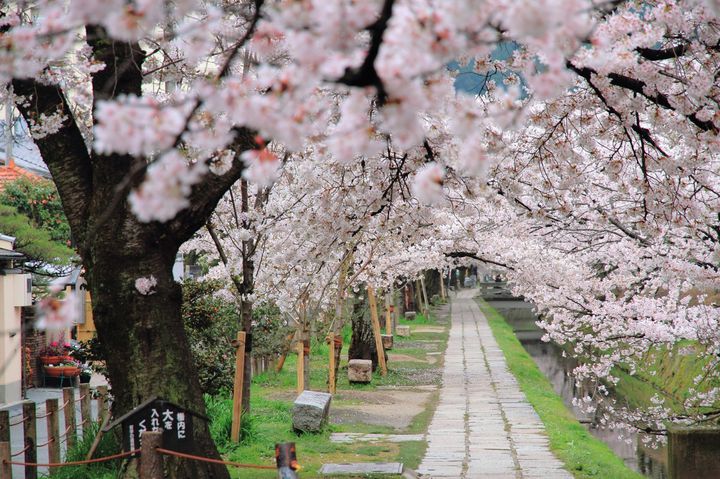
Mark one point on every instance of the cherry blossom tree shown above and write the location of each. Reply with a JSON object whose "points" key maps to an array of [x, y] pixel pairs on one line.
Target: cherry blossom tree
{"points": [[596, 156]]}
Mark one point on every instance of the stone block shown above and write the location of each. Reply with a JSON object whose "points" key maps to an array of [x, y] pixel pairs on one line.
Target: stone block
{"points": [[360, 371], [410, 315], [694, 452], [387, 340], [403, 331], [310, 411]]}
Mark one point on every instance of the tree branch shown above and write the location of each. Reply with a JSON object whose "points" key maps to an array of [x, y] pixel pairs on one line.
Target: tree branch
{"points": [[206, 194], [64, 152], [467, 254], [366, 74], [638, 86]]}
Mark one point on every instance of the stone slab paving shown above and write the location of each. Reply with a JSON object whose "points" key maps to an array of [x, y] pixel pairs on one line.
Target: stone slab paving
{"points": [[363, 468], [353, 437], [483, 426]]}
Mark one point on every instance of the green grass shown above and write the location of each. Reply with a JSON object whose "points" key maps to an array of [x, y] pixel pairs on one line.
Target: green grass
{"points": [[108, 446], [583, 455], [270, 419]]}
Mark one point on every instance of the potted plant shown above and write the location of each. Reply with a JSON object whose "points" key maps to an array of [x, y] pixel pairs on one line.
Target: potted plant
{"points": [[54, 353], [85, 373], [67, 368]]}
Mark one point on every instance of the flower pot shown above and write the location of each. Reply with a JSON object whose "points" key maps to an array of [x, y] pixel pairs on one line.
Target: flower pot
{"points": [[51, 359], [61, 371], [54, 359]]}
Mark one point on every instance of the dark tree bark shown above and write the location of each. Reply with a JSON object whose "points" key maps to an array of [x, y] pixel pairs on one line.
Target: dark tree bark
{"points": [[362, 343], [409, 297], [148, 351], [461, 277], [432, 283]]}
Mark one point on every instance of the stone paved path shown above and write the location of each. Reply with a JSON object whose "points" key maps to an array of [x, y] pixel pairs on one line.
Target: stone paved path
{"points": [[483, 427]]}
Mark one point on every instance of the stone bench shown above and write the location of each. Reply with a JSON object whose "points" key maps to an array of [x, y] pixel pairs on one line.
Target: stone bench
{"points": [[403, 331], [387, 340], [410, 315], [359, 370], [310, 411]]}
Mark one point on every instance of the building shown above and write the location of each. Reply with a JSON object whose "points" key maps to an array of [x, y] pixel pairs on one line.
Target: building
{"points": [[15, 292]]}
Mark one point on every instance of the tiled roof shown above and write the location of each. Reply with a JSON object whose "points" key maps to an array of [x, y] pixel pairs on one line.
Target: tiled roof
{"points": [[12, 172]]}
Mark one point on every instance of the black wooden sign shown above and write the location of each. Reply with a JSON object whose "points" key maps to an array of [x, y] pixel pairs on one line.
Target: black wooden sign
{"points": [[175, 422]]}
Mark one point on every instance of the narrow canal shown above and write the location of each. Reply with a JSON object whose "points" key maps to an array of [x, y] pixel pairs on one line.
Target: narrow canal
{"points": [[548, 356]]}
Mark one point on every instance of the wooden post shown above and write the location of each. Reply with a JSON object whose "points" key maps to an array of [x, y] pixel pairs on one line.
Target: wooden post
{"points": [[300, 366], [69, 412], [5, 468], [151, 461], [286, 460], [388, 313], [331, 365], [103, 403], [376, 330], [98, 438], [5, 426], [85, 414], [53, 430], [30, 430], [425, 297], [306, 364], [287, 347], [238, 387]]}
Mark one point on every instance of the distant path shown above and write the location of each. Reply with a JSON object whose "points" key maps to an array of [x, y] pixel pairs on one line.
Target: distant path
{"points": [[483, 426]]}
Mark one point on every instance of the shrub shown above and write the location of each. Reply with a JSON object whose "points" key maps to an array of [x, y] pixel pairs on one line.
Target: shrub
{"points": [[211, 324]]}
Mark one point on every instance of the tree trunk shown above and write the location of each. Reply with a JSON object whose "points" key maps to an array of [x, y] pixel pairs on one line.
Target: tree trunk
{"points": [[247, 288], [432, 283], [148, 346], [409, 295], [362, 343]]}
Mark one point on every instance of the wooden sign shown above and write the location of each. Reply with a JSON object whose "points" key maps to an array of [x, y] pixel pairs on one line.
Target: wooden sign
{"points": [[175, 422]]}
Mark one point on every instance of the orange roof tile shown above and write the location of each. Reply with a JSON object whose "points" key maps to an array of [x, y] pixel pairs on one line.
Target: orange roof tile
{"points": [[12, 172]]}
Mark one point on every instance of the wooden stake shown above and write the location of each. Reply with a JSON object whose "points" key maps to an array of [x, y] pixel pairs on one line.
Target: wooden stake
{"points": [[5, 426], [425, 297], [288, 346], [388, 313], [238, 387], [30, 429], [98, 438], [53, 430], [376, 331], [300, 367], [331, 365], [69, 411], [306, 364], [85, 414], [5, 468], [286, 460], [151, 461]]}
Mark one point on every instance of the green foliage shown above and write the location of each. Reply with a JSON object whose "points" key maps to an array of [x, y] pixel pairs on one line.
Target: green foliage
{"points": [[108, 446], [34, 242], [211, 324], [38, 199], [584, 456], [269, 329], [219, 410]]}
